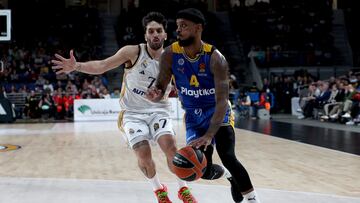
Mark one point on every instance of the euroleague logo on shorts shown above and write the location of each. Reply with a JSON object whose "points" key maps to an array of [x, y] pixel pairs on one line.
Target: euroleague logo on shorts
{"points": [[8, 147]]}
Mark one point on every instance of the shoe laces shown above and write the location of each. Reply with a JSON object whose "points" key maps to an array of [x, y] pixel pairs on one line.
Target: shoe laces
{"points": [[186, 195], [162, 196]]}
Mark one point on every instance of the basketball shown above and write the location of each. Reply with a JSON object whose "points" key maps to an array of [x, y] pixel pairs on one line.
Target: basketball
{"points": [[189, 163]]}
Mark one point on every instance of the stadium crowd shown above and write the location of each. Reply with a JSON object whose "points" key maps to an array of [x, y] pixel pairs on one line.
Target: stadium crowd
{"points": [[29, 72]]}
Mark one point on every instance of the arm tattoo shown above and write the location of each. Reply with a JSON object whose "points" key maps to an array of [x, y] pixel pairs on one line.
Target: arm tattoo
{"points": [[219, 67]]}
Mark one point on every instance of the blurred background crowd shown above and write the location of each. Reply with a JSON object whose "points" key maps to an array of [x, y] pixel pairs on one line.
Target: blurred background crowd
{"points": [[278, 50]]}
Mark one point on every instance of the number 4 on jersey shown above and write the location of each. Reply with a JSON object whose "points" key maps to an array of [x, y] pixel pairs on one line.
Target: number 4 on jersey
{"points": [[194, 81]]}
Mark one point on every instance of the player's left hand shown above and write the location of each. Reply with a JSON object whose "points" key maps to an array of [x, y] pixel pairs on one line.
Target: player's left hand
{"points": [[154, 94], [204, 140]]}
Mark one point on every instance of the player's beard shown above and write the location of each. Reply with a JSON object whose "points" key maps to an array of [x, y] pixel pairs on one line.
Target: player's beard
{"points": [[156, 45], [186, 42]]}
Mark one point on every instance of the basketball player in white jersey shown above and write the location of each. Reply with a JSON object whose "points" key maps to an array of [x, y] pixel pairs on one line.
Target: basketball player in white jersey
{"points": [[141, 120]]}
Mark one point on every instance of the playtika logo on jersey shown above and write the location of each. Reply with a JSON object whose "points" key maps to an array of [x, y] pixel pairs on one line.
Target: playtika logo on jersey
{"points": [[197, 93]]}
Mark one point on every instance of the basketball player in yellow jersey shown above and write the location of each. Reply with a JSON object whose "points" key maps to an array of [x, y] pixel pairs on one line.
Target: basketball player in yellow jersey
{"points": [[201, 78], [140, 119]]}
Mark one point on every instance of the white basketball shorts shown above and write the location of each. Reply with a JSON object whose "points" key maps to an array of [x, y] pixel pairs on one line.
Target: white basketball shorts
{"points": [[138, 127]]}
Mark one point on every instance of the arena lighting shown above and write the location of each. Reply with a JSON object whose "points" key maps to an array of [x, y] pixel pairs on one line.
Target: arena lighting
{"points": [[5, 25]]}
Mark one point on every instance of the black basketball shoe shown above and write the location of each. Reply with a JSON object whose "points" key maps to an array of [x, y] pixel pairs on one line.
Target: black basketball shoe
{"points": [[213, 172]]}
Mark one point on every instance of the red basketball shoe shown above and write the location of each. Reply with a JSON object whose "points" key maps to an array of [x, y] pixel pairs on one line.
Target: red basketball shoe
{"points": [[162, 195], [185, 195]]}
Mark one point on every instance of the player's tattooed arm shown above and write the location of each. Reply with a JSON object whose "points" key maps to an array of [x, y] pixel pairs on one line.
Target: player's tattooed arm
{"points": [[220, 69], [165, 70]]}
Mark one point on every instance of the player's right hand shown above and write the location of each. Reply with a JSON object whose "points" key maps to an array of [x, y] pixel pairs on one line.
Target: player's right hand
{"points": [[63, 65], [154, 94]]}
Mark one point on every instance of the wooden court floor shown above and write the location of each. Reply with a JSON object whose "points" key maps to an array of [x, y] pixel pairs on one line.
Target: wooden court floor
{"points": [[97, 151]]}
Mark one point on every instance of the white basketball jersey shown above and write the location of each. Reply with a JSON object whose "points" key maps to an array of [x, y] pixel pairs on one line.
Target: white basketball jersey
{"points": [[137, 80]]}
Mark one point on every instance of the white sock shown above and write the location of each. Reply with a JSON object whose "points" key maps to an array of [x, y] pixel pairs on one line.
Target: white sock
{"points": [[251, 197], [155, 182], [227, 174], [181, 183]]}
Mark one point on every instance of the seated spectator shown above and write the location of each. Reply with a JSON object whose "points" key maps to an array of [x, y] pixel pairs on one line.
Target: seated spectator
{"points": [[68, 100], [243, 104], [39, 80], [59, 84], [333, 101], [233, 90], [319, 101], [58, 103], [259, 104], [305, 96], [355, 110], [31, 109], [46, 106], [344, 108], [94, 93], [116, 93], [85, 84], [47, 87], [71, 87], [105, 94]]}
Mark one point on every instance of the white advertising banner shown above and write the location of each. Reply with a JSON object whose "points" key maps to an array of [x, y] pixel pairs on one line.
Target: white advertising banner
{"points": [[96, 109], [109, 109]]}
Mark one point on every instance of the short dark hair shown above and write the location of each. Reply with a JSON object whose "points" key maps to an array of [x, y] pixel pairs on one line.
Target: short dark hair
{"points": [[154, 16], [191, 14]]}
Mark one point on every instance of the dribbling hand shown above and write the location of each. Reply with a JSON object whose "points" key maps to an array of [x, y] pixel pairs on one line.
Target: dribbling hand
{"points": [[204, 140], [63, 65]]}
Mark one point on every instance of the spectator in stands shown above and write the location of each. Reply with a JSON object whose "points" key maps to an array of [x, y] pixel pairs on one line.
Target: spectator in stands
{"points": [[14, 77], [318, 101], [31, 109], [46, 106], [2, 92], [40, 81], [331, 101], [68, 100], [264, 102], [115, 93], [104, 94], [13, 89], [23, 89], [96, 82], [47, 87], [71, 87], [86, 93], [59, 84], [355, 109], [243, 105], [233, 90], [305, 96], [85, 84], [345, 105], [58, 103]]}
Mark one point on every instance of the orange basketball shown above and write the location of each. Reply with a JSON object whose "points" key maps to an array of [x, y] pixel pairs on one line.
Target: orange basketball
{"points": [[189, 163]]}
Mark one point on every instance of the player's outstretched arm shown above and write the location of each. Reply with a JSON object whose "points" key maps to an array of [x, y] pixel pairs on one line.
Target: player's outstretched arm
{"points": [[156, 93], [67, 65], [219, 68]]}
